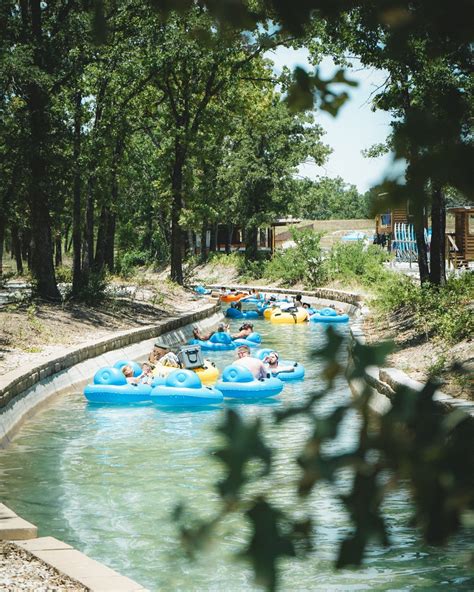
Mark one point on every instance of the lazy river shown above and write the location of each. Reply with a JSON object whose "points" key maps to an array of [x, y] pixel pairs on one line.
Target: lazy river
{"points": [[105, 480]]}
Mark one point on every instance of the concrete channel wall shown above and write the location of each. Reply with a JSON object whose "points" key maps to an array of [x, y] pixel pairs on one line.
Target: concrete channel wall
{"points": [[27, 387], [383, 382]]}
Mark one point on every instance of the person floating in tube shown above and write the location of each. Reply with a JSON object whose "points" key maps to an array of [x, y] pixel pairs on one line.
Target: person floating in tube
{"points": [[163, 356], [272, 361], [255, 365]]}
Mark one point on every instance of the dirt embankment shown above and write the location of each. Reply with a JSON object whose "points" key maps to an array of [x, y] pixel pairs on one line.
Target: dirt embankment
{"points": [[421, 357], [31, 331]]}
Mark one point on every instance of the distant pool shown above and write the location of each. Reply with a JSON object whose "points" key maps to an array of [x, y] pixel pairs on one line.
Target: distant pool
{"points": [[105, 480]]}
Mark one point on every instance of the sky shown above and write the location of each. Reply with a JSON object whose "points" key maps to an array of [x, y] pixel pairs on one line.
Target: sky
{"points": [[355, 128]]}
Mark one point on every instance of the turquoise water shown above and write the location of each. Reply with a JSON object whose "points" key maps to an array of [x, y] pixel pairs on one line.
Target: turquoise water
{"points": [[105, 480]]}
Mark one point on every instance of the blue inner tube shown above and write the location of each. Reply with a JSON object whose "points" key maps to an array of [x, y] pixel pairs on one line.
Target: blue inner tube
{"points": [[255, 337], [252, 300], [234, 313], [114, 394], [327, 312], [211, 346], [201, 290], [238, 382], [183, 388], [221, 337], [245, 342], [111, 387], [337, 318], [297, 373]]}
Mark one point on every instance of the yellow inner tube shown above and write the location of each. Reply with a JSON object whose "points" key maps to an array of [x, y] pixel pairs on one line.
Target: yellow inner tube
{"points": [[209, 374], [267, 313], [280, 318]]}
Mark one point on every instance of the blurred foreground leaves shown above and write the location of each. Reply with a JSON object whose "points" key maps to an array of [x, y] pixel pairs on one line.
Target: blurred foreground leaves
{"points": [[415, 447]]}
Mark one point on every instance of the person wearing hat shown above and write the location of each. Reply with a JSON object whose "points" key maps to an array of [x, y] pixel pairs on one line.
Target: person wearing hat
{"points": [[272, 361], [163, 356]]}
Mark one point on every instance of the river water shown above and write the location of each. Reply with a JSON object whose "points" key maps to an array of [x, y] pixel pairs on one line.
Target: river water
{"points": [[106, 479]]}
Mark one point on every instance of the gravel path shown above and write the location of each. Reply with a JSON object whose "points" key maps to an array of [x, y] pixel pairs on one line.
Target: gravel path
{"points": [[20, 570]]}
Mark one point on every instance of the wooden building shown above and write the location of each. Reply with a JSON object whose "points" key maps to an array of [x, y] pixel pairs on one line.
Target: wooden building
{"points": [[230, 237], [385, 223], [460, 243]]}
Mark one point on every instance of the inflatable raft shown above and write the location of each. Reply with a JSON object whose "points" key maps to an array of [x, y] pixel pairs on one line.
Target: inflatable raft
{"points": [[234, 313], [329, 315], [111, 387], [220, 341], [232, 297], [208, 373], [238, 382], [183, 388], [280, 317]]}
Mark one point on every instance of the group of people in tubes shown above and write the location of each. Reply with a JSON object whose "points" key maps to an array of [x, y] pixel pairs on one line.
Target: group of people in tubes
{"points": [[162, 355]]}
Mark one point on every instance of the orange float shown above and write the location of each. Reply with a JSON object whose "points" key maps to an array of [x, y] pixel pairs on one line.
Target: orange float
{"points": [[233, 297]]}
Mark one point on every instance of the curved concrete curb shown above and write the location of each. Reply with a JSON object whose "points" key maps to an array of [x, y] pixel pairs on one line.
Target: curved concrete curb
{"points": [[384, 381], [25, 388]]}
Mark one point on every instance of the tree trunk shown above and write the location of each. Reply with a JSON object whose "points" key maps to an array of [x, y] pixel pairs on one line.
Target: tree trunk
{"points": [[204, 250], [67, 228], [2, 239], [251, 243], [110, 223], [99, 259], [228, 238], [42, 266], [419, 227], [77, 279], [16, 248], [148, 234], [177, 237], [88, 255], [438, 238], [110, 241], [37, 100], [26, 246], [58, 253], [213, 241], [191, 243]]}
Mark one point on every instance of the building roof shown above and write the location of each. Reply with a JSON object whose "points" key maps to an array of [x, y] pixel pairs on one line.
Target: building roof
{"points": [[459, 209], [286, 221]]}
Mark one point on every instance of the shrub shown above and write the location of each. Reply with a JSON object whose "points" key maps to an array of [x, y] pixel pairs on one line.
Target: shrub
{"points": [[63, 274], [444, 312], [128, 261], [301, 263], [356, 261], [233, 259], [251, 270], [94, 292]]}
